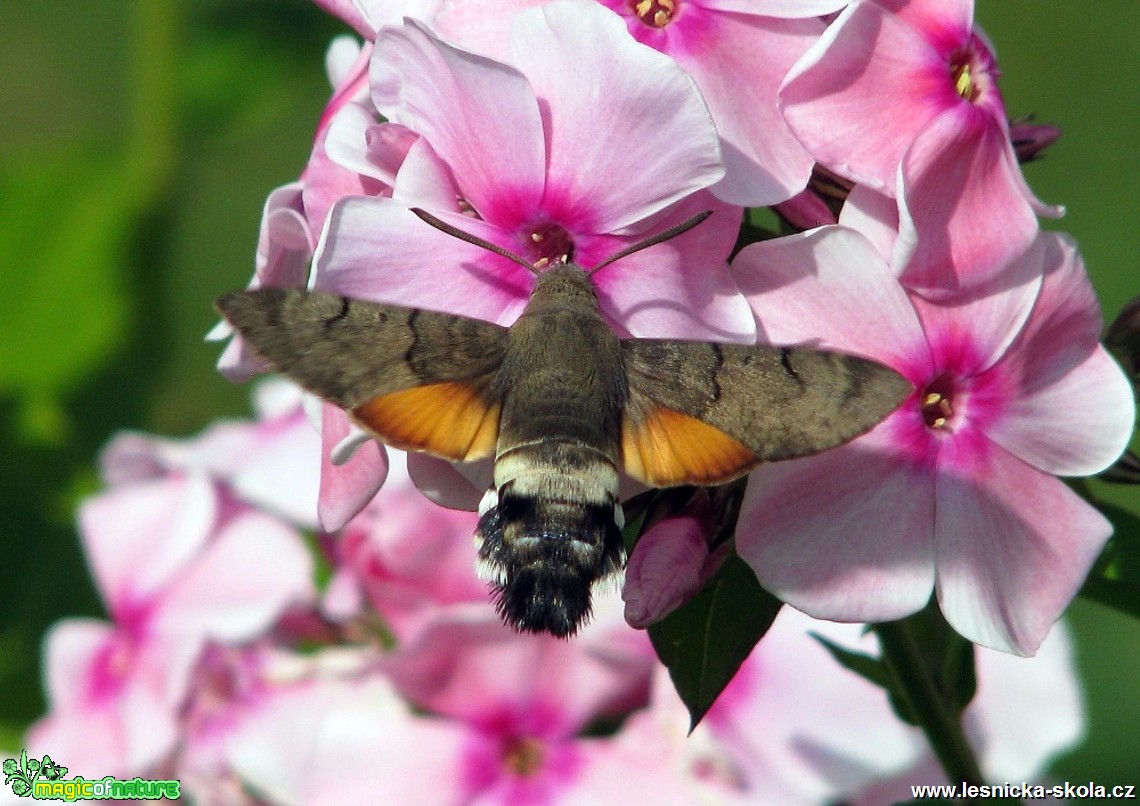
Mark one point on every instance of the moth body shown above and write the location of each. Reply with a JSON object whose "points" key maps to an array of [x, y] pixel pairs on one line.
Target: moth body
{"points": [[552, 531]]}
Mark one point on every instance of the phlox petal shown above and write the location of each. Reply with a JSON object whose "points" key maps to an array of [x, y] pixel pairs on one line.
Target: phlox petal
{"points": [[796, 722], [253, 569], [124, 690], [638, 770], [468, 108], [455, 486], [843, 535], [942, 22], [331, 742], [424, 180], [139, 537], [284, 249], [664, 569], [1011, 554], [347, 140], [975, 328], [474, 668], [371, 244], [764, 162], [1076, 426], [861, 94], [681, 288], [963, 212], [792, 9], [1026, 711], [352, 13], [831, 288], [874, 215], [659, 144], [1070, 409], [346, 488]]}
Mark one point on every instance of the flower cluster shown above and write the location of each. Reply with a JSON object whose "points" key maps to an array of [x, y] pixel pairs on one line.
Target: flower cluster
{"points": [[567, 127], [223, 667], [876, 132]]}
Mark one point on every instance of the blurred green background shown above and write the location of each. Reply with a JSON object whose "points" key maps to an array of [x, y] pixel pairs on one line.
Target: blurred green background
{"points": [[138, 141]]}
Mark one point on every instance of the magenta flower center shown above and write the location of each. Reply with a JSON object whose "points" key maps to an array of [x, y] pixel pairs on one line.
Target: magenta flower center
{"points": [[937, 404], [655, 13], [974, 72], [523, 755], [549, 243]]}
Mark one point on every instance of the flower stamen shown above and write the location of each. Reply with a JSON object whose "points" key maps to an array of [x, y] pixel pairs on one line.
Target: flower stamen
{"points": [[523, 756], [936, 408], [965, 83], [547, 244], [655, 13]]}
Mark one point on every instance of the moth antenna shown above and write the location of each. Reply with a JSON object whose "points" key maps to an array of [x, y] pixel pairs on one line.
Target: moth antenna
{"points": [[653, 240], [475, 240]]}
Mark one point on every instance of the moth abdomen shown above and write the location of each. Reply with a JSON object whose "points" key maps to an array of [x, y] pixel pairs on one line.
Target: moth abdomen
{"points": [[544, 557]]}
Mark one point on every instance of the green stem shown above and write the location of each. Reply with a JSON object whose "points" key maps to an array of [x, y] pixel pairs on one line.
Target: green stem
{"points": [[938, 719]]}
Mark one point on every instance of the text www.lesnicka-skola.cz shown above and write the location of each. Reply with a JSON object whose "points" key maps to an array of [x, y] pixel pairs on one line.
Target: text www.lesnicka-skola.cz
{"points": [[1026, 791]]}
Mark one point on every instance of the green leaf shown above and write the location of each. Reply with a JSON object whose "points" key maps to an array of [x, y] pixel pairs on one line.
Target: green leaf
{"points": [[868, 667], [704, 642]]}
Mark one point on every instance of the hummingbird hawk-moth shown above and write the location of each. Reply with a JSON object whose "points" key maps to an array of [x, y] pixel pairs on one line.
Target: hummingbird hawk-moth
{"points": [[562, 405]]}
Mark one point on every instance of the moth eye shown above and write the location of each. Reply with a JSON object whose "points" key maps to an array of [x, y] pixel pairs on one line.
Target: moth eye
{"points": [[619, 516], [489, 501]]}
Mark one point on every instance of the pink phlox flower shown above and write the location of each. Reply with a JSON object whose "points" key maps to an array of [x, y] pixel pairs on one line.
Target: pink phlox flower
{"points": [[176, 566], [955, 490], [404, 557], [904, 98], [331, 739], [737, 53], [269, 463], [585, 144], [521, 701]]}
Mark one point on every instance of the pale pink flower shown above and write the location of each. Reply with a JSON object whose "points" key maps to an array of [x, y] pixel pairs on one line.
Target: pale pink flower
{"points": [[521, 703], [903, 97], [341, 739], [793, 725], [585, 144], [955, 490], [176, 566], [497, 721], [270, 463], [404, 557], [737, 53]]}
